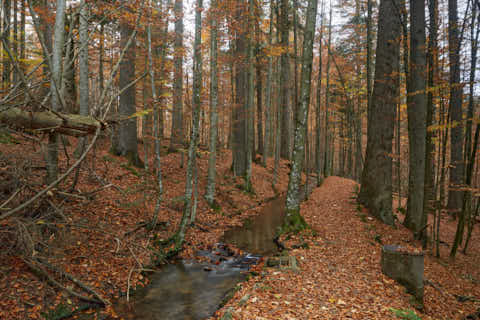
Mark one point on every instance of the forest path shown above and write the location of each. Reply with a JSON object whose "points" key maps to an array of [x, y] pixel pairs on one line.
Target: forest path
{"points": [[340, 275]]}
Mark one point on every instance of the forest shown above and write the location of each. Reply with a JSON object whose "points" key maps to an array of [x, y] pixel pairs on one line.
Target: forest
{"points": [[239, 159]]}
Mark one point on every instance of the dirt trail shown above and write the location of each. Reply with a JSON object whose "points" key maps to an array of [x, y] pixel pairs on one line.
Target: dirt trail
{"points": [[340, 275]]}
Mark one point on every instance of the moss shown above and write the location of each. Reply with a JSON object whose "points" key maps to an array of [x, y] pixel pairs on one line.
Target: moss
{"points": [[107, 158], [7, 138], [229, 295], [247, 187], [134, 159], [293, 222]]}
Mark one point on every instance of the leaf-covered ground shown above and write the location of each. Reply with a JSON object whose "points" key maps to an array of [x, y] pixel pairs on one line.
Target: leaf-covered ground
{"points": [[340, 275], [94, 241]]}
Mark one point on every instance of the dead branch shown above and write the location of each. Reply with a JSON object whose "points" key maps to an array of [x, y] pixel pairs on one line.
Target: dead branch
{"points": [[40, 271], [68, 124], [77, 282]]}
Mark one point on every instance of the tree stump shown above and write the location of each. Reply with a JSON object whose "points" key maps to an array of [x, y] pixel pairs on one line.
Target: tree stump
{"points": [[404, 267]]}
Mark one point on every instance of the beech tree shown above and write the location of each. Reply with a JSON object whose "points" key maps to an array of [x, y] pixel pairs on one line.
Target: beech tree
{"points": [[59, 34], [293, 220], [210, 192], [176, 136], [125, 143], [240, 108], [416, 218], [376, 190], [455, 106]]}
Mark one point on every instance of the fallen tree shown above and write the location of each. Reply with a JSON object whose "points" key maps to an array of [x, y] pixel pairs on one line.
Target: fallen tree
{"points": [[67, 124]]}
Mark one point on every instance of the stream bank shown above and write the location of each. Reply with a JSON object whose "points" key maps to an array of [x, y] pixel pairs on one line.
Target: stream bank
{"points": [[195, 289]]}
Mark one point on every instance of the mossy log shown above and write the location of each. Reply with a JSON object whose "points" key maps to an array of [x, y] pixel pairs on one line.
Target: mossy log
{"points": [[63, 123]]}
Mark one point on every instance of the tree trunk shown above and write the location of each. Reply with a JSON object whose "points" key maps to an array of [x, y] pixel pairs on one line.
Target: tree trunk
{"points": [[6, 31], [416, 219], [196, 105], [293, 220], [59, 34], [101, 57], [84, 90], [127, 144], [318, 119], [268, 93], [432, 59], [249, 107], [212, 158], [285, 82], [376, 189], [260, 149], [455, 106], [15, 36], [22, 30], [327, 170], [156, 131], [177, 133], [240, 117]]}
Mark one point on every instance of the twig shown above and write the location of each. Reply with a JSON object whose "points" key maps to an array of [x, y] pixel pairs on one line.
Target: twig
{"points": [[72, 195], [77, 282], [140, 226], [91, 193], [58, 210], [54, 282], [128, 284], [429, 282], [11, 197], [136, 259], [118, 244]]}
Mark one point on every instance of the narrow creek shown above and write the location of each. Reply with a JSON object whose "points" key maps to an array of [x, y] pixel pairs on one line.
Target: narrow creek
{"points": [[190, 290]]}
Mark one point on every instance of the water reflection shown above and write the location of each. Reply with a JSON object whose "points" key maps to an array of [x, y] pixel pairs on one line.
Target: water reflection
{"points": [[193, 291], [256, 235], [185, 291]]}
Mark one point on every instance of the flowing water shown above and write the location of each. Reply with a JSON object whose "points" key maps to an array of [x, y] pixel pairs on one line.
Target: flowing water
{"points": [[194, 291]]}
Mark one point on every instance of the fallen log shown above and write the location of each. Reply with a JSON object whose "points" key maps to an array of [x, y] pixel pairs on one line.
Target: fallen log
{"points": [[67, 124]]}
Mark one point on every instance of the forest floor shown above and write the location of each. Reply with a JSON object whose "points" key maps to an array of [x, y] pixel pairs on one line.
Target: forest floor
{"points": [[97, 240], [340, 274]]}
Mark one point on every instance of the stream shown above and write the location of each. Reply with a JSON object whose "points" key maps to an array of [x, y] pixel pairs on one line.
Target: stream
{"points": [[190, 290]]}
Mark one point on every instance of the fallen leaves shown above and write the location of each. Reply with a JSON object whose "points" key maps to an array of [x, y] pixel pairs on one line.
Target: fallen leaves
{"points": [[340, 275]]}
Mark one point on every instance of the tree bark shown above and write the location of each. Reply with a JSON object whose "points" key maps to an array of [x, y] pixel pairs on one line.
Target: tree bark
{"points": [[156, 131], [432, 60], [177, 133], [285, 82], [293, 220], [60, 123], [83, 83], [259, 88], [6, 31], [318, 119], [212, 158], [240, 116], [196, 105], [127, 144], [455, 106], [268, 93], [56, 78], [376, 189], [416, 219], [327, 169]]}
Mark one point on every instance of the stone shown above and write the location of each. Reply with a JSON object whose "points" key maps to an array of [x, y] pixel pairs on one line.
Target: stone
{"points": [[404, 267]]}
